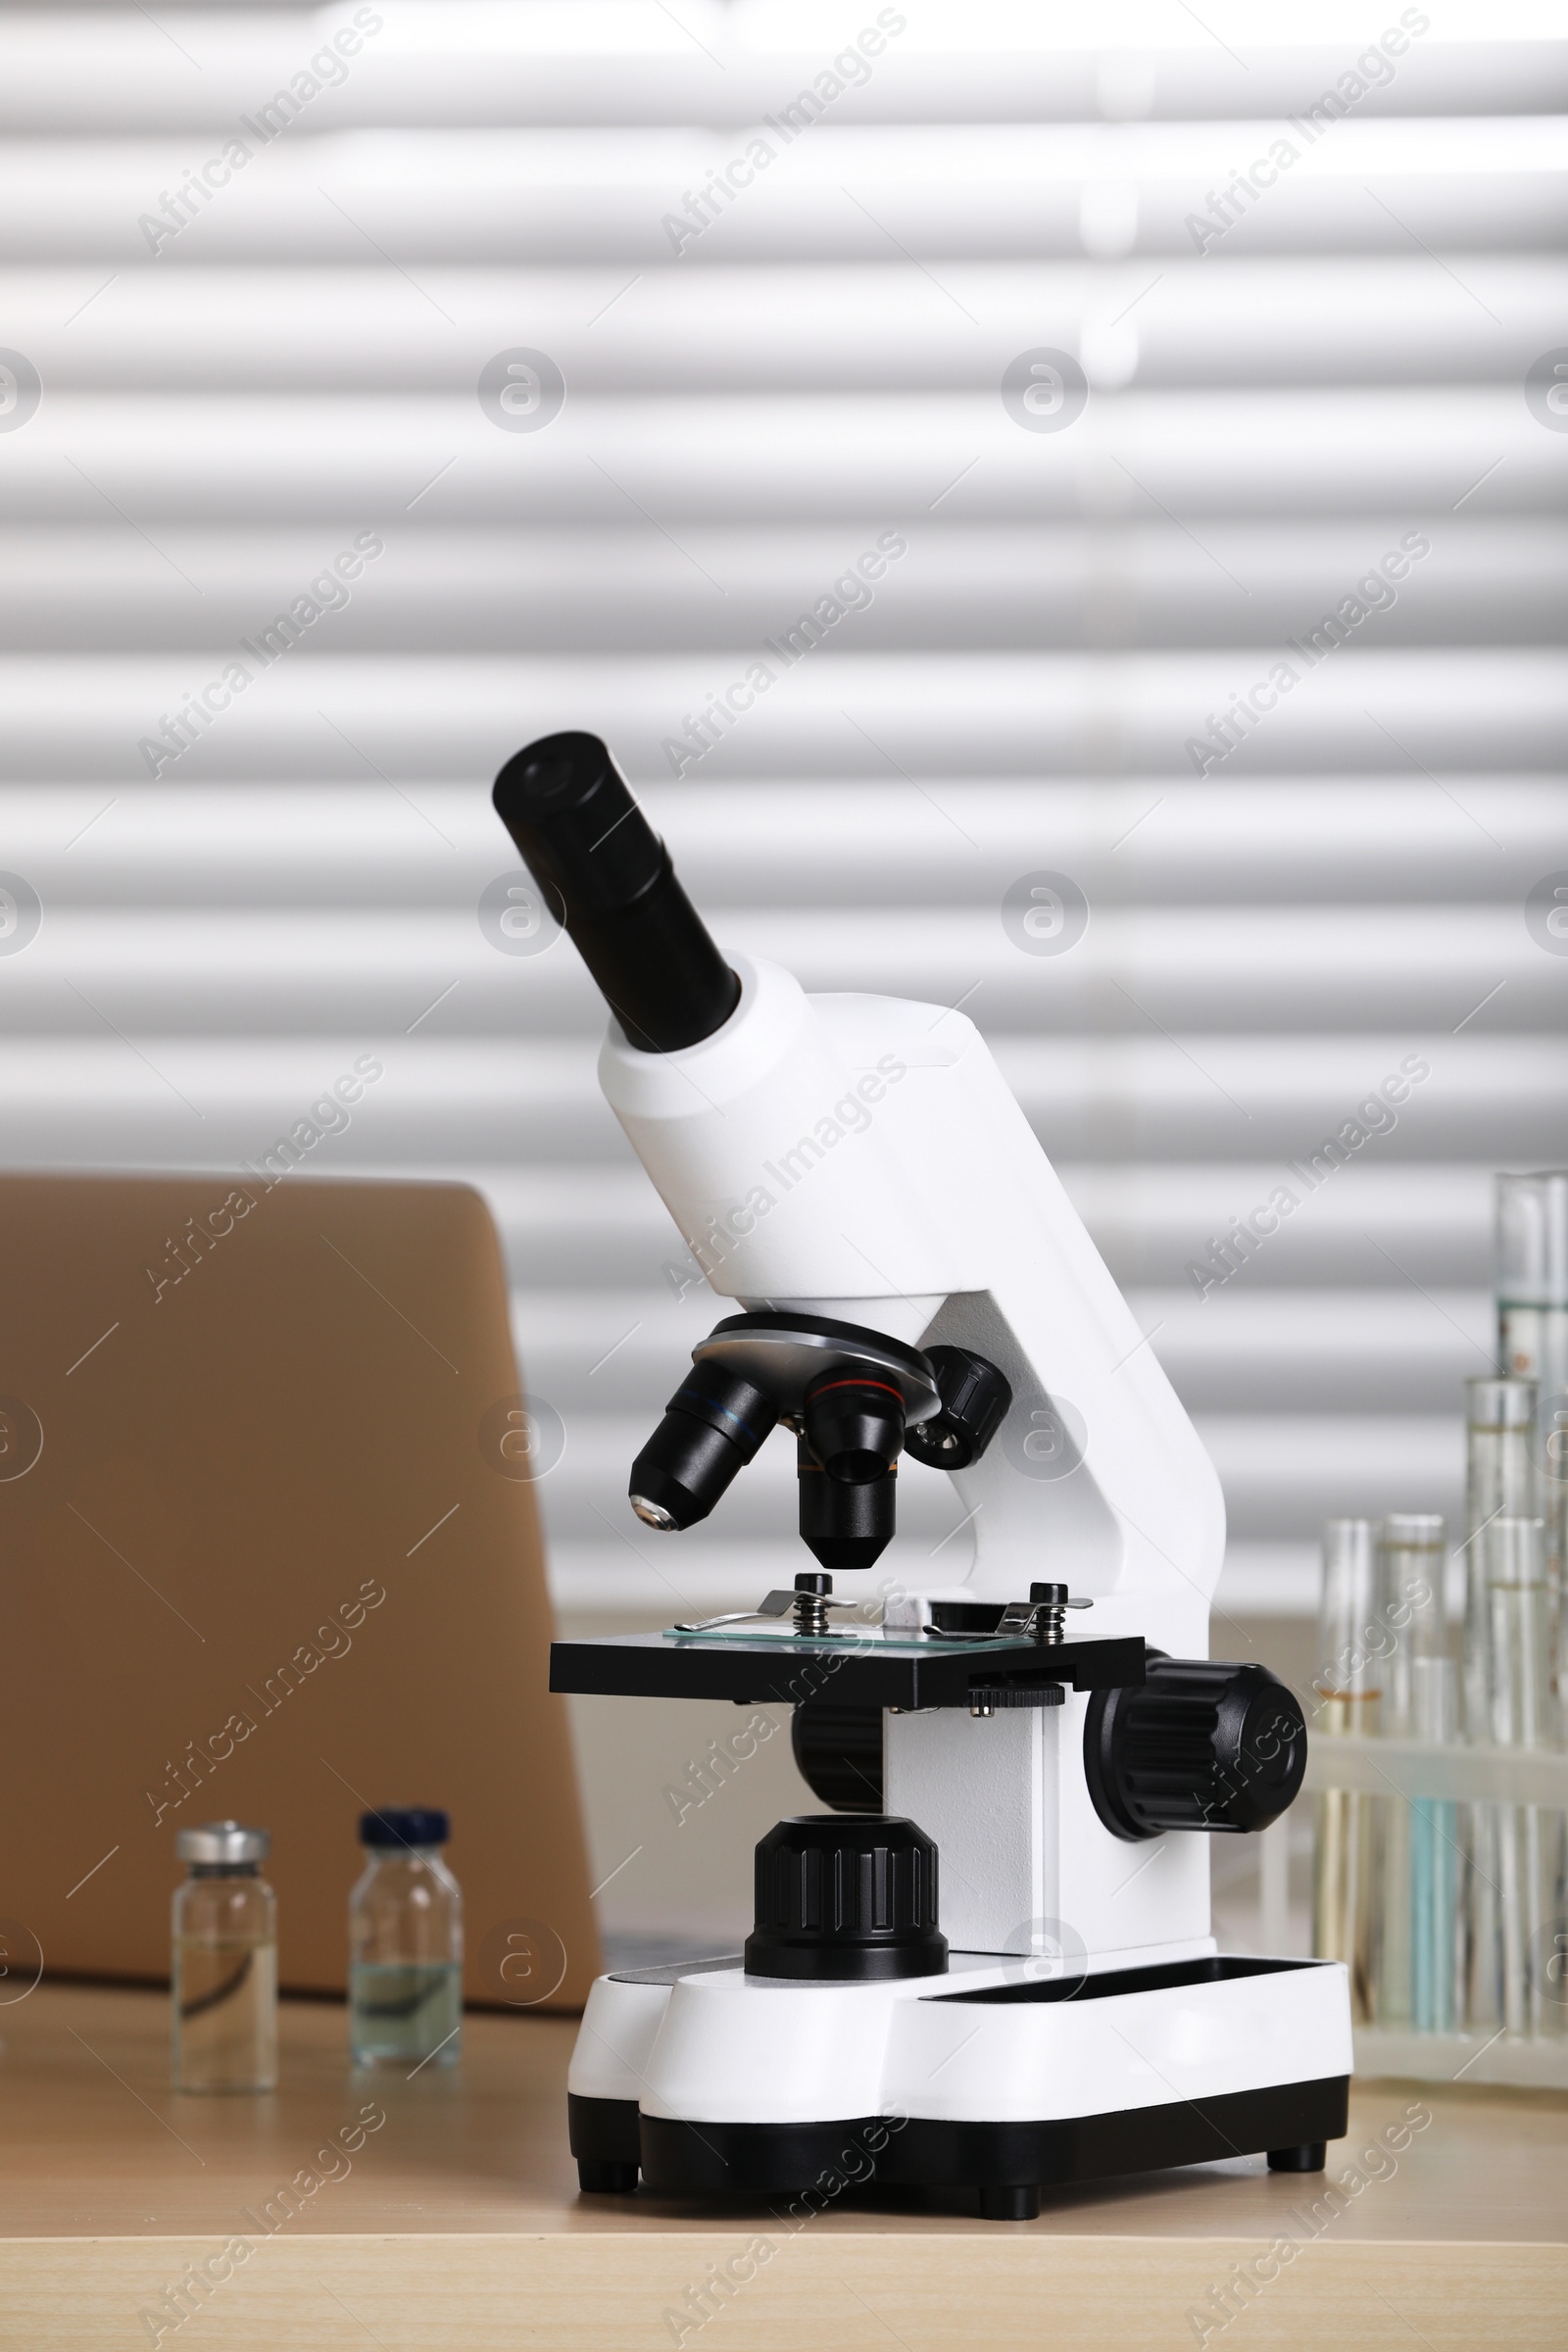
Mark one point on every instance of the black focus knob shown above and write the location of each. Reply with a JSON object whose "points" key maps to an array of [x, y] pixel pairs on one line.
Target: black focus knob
{"points": [[1200, 1744], [845, 1900], [975, 1398]]}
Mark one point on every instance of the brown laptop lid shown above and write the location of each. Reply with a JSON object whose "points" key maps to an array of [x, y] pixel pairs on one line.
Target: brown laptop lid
{"points": [[269, 1549]]}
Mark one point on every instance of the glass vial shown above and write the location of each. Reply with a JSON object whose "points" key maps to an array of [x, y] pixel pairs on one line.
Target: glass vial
{"points": [[1348, 1682], [405, 1944], [1412, 1551], [225, 1962]]}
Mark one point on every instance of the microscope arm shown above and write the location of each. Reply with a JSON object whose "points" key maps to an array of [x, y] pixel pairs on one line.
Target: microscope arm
{"points": [[862, 1157]]}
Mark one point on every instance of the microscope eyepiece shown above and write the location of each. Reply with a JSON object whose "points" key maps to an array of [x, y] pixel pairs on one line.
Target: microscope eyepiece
{"points": [[608, 876], [713, 1426]]}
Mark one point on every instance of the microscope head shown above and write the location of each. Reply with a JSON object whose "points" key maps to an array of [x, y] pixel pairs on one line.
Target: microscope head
{"points": [[854, 1396], [858, 1162]]}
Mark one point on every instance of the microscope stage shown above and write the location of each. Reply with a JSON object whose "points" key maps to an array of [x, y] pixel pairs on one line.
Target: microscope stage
{"points": [[859, 1668]]}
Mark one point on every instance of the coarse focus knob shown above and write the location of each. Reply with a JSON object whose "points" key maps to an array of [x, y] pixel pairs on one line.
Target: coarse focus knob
{"points": [[1200, 1744], [975, 1398], [845, 1900]]}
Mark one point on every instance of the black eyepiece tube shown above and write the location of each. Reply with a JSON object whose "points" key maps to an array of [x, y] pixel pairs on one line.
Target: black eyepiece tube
{"points": [[608, 876]]}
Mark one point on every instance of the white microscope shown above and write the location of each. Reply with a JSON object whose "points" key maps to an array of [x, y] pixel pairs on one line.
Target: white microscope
{"points": [[854, 1173]]}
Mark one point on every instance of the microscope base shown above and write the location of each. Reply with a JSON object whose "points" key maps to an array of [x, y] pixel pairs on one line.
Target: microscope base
{"points": [[1211, 2057], [1007, 2163]]}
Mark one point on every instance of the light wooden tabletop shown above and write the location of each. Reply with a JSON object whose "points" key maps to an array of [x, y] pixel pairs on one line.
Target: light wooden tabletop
{"points": [[455, 2220]]}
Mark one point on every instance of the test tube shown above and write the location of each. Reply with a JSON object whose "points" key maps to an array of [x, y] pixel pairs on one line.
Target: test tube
{"points": [[1501, 1482], [1348, 1687], [1435, 1859], [1527, 1838], [1531, 1275], [1532, 1271], [1416, 1848], [1412, 1551]]}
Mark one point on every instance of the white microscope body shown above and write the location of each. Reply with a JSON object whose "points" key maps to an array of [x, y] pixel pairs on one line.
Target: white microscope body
{"points": [[860, 1158], [941, 1220]]}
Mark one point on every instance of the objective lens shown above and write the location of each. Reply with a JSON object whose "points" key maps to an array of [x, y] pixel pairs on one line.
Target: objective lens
{"points": [[854, 1425], [713, 1426], [845, 1525]]}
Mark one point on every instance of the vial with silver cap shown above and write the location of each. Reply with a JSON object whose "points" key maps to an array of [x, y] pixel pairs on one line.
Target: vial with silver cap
{"points": [[225, 1983]]}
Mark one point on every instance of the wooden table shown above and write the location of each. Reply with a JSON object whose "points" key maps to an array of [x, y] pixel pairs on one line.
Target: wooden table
{"points": [[456, 2223]]}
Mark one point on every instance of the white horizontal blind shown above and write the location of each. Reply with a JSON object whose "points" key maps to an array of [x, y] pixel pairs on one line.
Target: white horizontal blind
{"points": [[1289, 379]]}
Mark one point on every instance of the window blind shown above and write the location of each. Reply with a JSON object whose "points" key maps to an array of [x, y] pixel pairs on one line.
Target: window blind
{"points": [[386, 385]]}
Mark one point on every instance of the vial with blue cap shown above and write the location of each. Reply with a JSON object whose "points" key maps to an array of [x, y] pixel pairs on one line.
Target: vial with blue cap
{"points": [[405, 1944]]}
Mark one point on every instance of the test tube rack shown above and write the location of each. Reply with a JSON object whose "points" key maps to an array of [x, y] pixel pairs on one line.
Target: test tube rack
{"points": [[1393, 1766]]}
